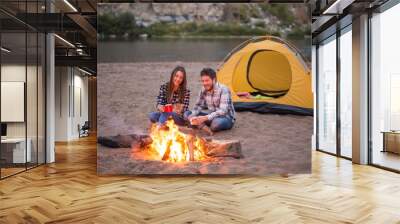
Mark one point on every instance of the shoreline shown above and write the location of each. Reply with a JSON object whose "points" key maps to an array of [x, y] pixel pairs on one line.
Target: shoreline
{"points": [[200, 37]]}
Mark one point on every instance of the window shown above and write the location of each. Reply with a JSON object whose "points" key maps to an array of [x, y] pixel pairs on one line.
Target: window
{"points": [[385, 89], [346, 92], [22, 89], [326, 105]]}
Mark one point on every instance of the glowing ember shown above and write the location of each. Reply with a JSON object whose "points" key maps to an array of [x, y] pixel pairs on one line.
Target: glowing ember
{"points": [[169, 144]]}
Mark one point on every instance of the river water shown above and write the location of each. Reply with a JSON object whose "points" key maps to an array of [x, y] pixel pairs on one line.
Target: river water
{"points": [[176, 49]]}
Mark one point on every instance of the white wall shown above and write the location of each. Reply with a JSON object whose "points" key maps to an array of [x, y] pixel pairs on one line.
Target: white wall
{"points": [[80, 110], [12, 73], [61, 103], [33, 127], [70, 84]]}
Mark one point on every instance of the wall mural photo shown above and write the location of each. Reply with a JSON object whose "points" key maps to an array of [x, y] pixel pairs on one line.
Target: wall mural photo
{"points": [[198, 88]]}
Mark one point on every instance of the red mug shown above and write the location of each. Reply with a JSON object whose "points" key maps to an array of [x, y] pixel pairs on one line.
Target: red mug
{"points": [[168, 108]]}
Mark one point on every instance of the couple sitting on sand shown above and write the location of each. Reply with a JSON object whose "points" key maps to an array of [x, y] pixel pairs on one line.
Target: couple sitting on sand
{"points": [[212, 112]]}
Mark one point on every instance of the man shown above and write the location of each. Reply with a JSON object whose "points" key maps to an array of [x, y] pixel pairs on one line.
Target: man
{"points": [[213, 110]]}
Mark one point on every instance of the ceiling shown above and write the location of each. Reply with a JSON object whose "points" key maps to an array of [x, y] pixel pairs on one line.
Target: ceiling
{"points": [[74, 22]]}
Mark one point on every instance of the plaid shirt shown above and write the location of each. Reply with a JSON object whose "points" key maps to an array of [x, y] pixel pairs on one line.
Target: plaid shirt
{"points": [[162, 97], [215, 103]]}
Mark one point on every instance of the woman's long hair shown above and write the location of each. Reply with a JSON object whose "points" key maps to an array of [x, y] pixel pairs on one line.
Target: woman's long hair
{"points": [[181, 89]]}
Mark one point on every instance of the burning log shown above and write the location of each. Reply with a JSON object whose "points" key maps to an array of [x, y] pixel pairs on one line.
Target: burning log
{"points": [[213, 148], [167, 151], [190, 143], [224, 148], [125, 141], [174, 144], [193, 131]]}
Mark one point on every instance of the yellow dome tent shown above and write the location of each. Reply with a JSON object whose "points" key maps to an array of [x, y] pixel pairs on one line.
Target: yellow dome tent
{"points": [[268, 75]]}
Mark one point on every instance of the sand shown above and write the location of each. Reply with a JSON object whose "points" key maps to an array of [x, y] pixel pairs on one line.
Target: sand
{"points": [[271, 143]]}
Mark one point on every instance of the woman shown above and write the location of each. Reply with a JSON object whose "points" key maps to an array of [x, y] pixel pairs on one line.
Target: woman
{"points": [[175, 93]]}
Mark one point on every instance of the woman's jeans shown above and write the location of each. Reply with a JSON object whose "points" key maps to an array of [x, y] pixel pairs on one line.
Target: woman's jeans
{"points": [[162, 117], [217, 124]]}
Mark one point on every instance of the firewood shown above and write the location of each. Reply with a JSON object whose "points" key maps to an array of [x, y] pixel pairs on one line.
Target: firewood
{"points": [[188, 131], [145, 141], [125, 141], [213, 148], [190, 144], [167, 151], [224, 148], [194, 131]]}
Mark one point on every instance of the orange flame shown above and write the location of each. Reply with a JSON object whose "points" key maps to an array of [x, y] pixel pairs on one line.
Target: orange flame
{"points": [[174, 146]]}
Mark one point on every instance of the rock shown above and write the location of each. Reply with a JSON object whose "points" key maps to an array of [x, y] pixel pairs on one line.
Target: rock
{"points": [[166, 19], [144, 36], [147, 14], [180, 19]]}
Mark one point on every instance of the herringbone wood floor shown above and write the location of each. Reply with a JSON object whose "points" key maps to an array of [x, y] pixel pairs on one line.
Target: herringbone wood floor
{"points": [[69, 191]]}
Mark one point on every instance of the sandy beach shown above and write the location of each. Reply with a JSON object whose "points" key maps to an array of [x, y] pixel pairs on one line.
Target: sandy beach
{"points": [[271, 144]]}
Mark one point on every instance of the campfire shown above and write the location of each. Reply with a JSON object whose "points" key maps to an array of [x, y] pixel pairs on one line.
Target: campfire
{"points": [[173, 144], [170, 144]]}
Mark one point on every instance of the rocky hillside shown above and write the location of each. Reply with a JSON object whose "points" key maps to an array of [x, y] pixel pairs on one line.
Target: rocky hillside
{"points": [[277, 19]]}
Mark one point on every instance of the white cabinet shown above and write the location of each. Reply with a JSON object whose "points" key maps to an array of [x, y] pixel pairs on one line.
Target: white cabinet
{"points": [[19, 155]]}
